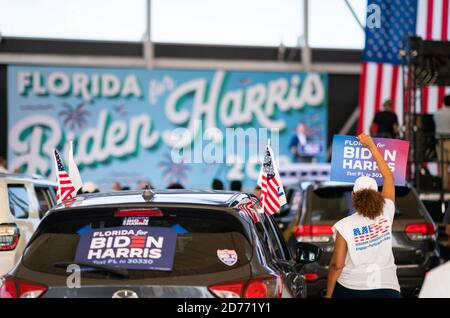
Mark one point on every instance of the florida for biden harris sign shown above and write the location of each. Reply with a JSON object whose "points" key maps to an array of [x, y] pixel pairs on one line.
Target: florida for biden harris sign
{"points": [[351, 160], [130, 247], [122, 121]]}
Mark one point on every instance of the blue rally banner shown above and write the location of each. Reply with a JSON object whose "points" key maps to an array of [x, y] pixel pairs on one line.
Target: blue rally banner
{"points": [[161, 125], [350, 160], [130, 247]]}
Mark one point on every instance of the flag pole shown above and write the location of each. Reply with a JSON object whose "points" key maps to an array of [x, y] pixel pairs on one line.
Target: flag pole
{"points": [[74, 173]]}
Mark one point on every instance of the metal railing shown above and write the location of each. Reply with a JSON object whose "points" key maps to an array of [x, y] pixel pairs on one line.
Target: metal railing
{"points": [[298, 172], [444, 163]]}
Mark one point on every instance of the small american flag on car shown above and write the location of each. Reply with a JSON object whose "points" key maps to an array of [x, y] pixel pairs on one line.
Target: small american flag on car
{"points": [[251, 208], [64, 186], [272, 195]]}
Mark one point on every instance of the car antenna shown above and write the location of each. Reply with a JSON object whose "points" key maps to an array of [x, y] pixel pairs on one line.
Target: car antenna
{"points": [[148, 195]]}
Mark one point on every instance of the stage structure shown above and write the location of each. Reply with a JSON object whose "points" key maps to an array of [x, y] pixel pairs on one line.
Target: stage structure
{"points": [[424, 63]]}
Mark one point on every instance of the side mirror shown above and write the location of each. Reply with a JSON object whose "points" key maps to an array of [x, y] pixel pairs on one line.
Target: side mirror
{"points": [[307, 253]]}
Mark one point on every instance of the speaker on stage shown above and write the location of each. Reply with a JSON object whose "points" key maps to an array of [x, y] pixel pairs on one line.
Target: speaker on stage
{"points": [[432, 63], [426, 134]]}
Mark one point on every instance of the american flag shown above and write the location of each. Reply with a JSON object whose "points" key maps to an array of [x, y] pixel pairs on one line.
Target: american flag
{"points": [[64, 188], [272, 194], [250, 207], [382, 75]]}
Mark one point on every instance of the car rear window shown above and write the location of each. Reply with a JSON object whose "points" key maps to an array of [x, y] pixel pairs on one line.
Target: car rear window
{"points": [[44, 197], [18, 201], [204, 232], [335, 203]]}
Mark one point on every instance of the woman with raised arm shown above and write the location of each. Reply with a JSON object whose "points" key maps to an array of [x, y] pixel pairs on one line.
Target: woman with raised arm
{"points": [[363, 262]]}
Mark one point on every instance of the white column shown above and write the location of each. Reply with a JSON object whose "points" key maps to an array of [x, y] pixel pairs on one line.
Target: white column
{"points": [[306, 50], [148, 44]]}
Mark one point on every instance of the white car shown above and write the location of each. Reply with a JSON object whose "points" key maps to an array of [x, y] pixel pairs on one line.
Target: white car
{"points": [[23, 202]]}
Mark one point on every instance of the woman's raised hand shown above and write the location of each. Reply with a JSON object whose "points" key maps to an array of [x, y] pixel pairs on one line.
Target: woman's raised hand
{"points": [[366, 141], [388, 177]]}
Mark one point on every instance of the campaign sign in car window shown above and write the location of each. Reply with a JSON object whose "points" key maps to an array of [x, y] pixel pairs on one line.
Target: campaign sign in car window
{"points": [[130, 247]]}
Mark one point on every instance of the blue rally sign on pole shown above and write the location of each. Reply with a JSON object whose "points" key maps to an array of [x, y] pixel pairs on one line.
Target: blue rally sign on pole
{"points": [[130, 247], [350, 160]]}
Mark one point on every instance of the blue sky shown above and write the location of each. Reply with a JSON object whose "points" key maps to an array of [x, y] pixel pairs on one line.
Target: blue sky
{"points": [[239, 22]]}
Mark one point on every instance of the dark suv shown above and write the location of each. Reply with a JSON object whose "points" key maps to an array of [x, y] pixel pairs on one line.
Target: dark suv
{"points": [[196, 244], [314, 207]]}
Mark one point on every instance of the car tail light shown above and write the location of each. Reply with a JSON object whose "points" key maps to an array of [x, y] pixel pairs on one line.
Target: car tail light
{"points": [[138, 212], [309, 277], [227, 290], [14, 288], [9, 236], [313, 233], [420, 231], [263, 287]]}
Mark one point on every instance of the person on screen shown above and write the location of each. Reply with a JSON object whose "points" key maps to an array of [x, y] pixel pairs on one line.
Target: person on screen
{"points": [[362, 265], [298, 141], [385, 122]]}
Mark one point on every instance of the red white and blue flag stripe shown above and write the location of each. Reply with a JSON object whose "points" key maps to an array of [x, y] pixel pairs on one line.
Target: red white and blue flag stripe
{"points": [[64, 186], [250, 207], [375, 231], [382, 76], [272, 194]]}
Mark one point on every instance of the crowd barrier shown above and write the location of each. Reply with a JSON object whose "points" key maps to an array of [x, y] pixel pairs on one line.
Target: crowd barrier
{"points": [[297, 172]]}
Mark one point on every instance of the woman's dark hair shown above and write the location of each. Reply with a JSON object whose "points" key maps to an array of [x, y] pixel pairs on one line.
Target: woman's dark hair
{"points": [[368, 203], [447, 100], [175, 186], [217, 185], [236, 185]]}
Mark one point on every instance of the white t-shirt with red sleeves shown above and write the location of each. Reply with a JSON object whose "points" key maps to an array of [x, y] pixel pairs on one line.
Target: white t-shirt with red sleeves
{"points": [[370, 261]]}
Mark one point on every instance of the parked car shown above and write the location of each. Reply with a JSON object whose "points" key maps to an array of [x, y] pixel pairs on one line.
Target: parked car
{"points": [[313, 209], [432, 202], [223, 249], [23, 202]]}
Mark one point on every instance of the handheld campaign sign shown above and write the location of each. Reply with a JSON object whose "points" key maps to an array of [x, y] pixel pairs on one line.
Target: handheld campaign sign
{"points": [[130, 247], [350, 160]]}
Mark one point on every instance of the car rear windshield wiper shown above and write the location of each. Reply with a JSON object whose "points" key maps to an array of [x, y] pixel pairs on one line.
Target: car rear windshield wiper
{"points": [[105, 268]]}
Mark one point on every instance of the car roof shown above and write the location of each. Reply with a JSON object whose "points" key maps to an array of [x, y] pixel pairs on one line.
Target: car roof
{"points": [[169, 197], [20, 177]]}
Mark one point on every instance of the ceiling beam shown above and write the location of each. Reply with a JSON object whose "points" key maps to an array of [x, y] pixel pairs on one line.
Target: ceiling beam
{"points": [[178, 63]]}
